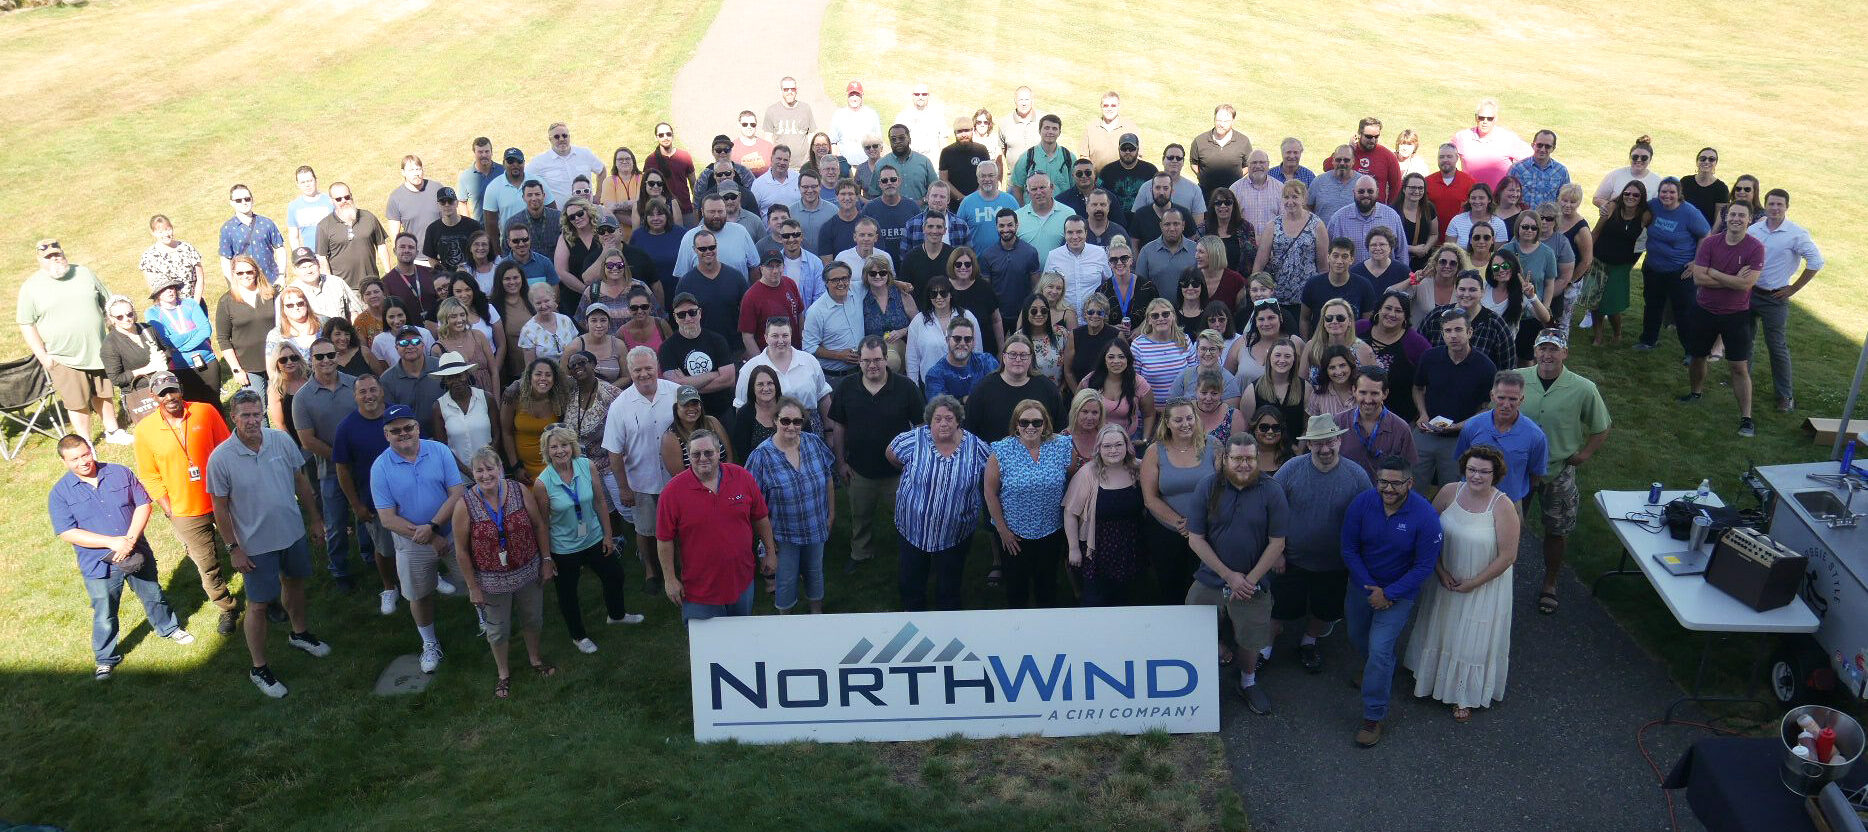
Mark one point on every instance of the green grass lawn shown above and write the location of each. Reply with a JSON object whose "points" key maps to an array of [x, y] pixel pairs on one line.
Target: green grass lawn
{"points": [[138, 102], [1756, 82]]}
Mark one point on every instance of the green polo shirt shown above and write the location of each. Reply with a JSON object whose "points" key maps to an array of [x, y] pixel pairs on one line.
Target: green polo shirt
{"points": [[68, 312], [1570, 411]]}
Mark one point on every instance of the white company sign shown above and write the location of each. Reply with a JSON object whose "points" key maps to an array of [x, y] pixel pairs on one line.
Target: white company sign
{"points": [[987, 673]]}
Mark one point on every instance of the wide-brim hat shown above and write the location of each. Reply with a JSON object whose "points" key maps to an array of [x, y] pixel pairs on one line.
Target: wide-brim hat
{"points": [[1322, 426]]}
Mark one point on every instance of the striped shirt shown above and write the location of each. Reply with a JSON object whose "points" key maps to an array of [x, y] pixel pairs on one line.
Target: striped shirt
{"points": [[798, 497], [1159, 362], [937, 503]]}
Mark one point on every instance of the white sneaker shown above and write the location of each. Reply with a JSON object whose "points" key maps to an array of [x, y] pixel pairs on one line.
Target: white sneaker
{"points": [[388, 606], [119, 437], [628, 618], [180, 636], [309, 643], [445, 586], [1589, 320], [585, 645], [267, 683], [431, 656]]}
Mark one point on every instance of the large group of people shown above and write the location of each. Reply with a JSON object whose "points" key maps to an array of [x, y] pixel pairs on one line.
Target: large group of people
{"points": [[1227, 380]]}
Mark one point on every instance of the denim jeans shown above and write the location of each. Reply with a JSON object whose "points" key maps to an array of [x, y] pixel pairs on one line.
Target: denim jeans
{"points": [[691, 611], [1374, 634], [796, 561], [338, 524], [105, 592]]}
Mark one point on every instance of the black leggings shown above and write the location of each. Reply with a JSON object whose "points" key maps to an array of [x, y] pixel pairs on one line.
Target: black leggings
{"points": [[1173, 562], [1031, 575], [609, 573]]}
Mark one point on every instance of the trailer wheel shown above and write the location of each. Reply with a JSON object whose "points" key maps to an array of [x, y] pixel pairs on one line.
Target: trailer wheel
{"points": [[1792, 666]]}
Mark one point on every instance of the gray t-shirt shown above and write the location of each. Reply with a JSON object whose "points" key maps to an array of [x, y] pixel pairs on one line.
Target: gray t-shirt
{"points": [[419, 393], [321, 411], [264, 488], [416, 210], [1241, 524], [1318, 501]]}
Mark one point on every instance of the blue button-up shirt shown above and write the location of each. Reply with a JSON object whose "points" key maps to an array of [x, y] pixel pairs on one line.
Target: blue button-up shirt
{"points": [[799, 497], [833, 325], [538, 269], [1395, 552], [1524, 447], [260, 244], [1541, 184], [104, 509], [1786, 247]]}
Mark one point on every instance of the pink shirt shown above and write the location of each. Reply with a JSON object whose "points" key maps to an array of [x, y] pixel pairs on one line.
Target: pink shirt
{"points": [[1488, 159]]}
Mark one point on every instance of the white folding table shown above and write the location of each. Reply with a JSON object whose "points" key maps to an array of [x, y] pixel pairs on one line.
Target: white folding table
{"points": [[1697, 605]]}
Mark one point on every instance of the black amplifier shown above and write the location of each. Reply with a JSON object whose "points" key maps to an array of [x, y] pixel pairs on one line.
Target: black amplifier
{"points": [[1755, 569]]}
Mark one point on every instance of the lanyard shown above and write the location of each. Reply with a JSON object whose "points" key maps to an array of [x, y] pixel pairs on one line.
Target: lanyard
{"points": [[1368, 442], [1121, 299], [498, 517], [180, 436], [571, 492]]}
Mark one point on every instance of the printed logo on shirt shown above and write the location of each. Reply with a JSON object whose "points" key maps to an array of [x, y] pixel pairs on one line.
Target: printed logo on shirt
{"points": [[697, 363]]}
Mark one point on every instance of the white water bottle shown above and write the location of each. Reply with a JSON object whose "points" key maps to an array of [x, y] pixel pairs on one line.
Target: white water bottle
{"points": [[1705, 490]]}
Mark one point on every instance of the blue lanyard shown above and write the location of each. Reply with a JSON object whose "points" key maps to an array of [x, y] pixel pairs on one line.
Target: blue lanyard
{"points": [[571, 492], [499, 517], [1368, 442]]}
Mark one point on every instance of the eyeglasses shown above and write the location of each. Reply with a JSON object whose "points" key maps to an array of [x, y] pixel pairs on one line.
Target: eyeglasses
{"points": [[877, 273], [835, 280], [614, 265], [1269, 428], [403, 430], [684, 314], [1335, 319], [334, 198], [408, 342], [1031, 423], [1543, 146], [324, 356], [640, 307], [1389, 485], [708, 453], [1021, 355], [960, 339], [705, 249], [242, 200], [787, 421], [663, 134]]}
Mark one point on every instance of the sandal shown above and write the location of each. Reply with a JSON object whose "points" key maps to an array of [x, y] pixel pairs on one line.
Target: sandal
{"points": [[544, 670], [1547, 602], [1462, 715], [992, 578], [504, 688], [1225, 655]]}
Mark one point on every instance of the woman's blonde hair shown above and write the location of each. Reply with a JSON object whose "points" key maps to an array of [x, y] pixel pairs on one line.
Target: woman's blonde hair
{"points": [[448, 307], [553, 433], [1180, 337]]}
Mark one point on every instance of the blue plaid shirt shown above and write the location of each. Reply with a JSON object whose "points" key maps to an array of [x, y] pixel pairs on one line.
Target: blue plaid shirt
{"points": [[959, 233], [1540, 184], [798, 497]]}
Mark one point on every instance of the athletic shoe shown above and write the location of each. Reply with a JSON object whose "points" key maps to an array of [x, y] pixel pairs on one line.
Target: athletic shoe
{"points": [[119, 437], [1589, 320], [180, 636], [1255, 699], [585, 645], [431, 656], [267, 683], [229, 620], [1786, 405], [1370, 734], [309, 643], [445, 586], [102, 673], [1747, 428], [1643, 346], [628, 618], [1689, 398], [1310, 657], [388, 604]]}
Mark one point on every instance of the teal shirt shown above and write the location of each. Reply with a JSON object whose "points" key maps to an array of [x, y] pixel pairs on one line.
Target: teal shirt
{"points": [[564, 512]]}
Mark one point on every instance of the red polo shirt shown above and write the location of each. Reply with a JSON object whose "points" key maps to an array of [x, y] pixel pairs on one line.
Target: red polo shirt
{"points": [[1449, 200], [714, 531]]}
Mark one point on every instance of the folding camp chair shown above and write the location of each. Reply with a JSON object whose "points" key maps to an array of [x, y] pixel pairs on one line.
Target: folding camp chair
{"points": [[28, 402]]}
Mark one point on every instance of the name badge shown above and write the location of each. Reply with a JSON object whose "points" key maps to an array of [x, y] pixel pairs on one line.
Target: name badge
{"points": [[194, 473]]}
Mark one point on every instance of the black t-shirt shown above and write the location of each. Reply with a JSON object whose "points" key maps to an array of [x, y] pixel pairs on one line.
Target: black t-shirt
{"points": [[719, 300], [1705, 197], [446, 246], [957, 161], [1455, 391], [1319, 290], [982, 301], [697, 356], [1124, 183], [1090, 348], [1146, 224], [870, 422], [918, 268], [989, 407], [835, 236]]}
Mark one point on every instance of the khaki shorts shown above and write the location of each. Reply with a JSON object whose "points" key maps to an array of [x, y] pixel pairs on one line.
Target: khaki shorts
{"points": [[417, 566], [76, 388], [1561, 501], [1251, 619], [646, 505], [498, 609]]}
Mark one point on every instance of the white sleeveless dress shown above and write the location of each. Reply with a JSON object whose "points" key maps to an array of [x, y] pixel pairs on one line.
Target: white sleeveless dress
{"points": [[1461, 646]]}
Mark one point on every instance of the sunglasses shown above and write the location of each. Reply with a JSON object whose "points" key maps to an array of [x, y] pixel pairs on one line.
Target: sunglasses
{"points": [[684, 314], [1120, 258], [408, 342], [1031, 423], [1095, 313], [286, 359], [334, 198], [706, 248], [245, 273], [295, 305], [404, 430], [1709, 158], [1544, 146], [127, 316], [243, 200], [867, 146], [1160, 316], [652, 183], [789, 421], [960, 339], [877, 273], [1639, 157], [639, 307], [1335, 319], [324, 356], [791, 235], [517, 240], [888, 181], [560, 135], [1270, 428], [663, 134], [749, 124], [963, 264], [939, 293], [574, 215]]}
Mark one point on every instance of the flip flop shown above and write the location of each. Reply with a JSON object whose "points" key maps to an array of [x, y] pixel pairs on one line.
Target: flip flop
{"points": [[504, 688], [1547, 603], [1462, 715], [544, 669]]}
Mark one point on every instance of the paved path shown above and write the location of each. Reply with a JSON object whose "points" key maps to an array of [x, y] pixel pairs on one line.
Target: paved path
{"points": [[1559, 753], [727, 75]]}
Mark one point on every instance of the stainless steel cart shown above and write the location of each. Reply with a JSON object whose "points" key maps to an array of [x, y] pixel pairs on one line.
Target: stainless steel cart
{"points": [[1822, 514]]}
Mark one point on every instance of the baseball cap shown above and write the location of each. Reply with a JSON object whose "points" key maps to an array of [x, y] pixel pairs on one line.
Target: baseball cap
{"points": [[1551, 336], [409, 329], [49, 247], [163, 382], [1129, 140], [773, 257], [514, 154], [303, 254], [728, 187], [855, 88], [963, 123], [608, 220], [397, 411], [446, 194], [686, 394]]}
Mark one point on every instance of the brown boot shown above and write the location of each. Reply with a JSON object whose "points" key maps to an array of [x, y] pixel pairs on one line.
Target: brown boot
{"points": [[1370, 734]]}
